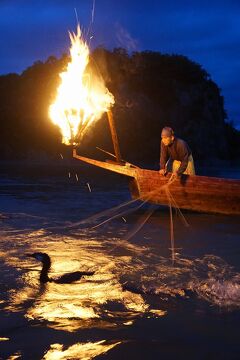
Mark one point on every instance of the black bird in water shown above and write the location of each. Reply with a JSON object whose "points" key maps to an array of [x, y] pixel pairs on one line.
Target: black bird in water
{"points": [[64, 279]]}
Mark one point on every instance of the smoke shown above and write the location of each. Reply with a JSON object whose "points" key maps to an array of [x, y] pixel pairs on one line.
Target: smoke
{"points": [[125, 40]]}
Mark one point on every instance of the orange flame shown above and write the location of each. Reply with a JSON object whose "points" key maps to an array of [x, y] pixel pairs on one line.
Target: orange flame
{"points": [[81, 97]]}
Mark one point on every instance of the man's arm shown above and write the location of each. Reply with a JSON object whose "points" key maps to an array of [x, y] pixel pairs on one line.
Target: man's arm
{"points": [[184, 154], [163, 156]]}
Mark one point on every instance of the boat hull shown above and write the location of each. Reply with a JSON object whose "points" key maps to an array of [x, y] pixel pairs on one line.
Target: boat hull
{"points": [[197, 193]]}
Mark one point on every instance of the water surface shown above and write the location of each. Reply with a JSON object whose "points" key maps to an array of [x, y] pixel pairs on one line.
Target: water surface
{"points": [[138, 304]]}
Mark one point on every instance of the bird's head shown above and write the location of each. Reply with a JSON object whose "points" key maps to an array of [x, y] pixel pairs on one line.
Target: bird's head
{"points": [[43, 257]]}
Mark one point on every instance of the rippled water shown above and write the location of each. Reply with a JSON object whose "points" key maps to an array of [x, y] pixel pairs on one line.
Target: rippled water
{"points": [[138, 304]]}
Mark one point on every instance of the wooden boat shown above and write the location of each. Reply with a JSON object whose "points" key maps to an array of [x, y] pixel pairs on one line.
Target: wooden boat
{"points": [[198, 193]]}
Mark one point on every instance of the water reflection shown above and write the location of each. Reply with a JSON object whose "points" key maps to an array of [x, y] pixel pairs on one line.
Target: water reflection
{"points": [[96, 301], [81, 351], [133, 280], [15, 356], [118, 292]]}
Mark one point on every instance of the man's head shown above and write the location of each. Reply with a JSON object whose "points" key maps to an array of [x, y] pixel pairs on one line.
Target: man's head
{"points": [[167, 136]]}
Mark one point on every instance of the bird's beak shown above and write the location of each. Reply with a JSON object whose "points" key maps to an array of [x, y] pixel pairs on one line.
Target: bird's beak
{"points": [[29, 255]]}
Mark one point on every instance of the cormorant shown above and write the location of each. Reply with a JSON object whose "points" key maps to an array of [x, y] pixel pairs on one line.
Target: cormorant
{"points": [[64, 279]]}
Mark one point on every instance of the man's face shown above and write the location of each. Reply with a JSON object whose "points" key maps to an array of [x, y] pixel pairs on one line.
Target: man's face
{"points": [[167, 140]]}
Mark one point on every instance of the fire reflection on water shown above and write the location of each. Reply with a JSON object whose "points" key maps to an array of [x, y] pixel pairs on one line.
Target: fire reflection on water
{"points": [[79, 351], [102, 301], [98, 300]]}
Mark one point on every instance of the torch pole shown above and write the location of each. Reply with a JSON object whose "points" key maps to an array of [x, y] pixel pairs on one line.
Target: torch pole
{"points": [[114, 136]]}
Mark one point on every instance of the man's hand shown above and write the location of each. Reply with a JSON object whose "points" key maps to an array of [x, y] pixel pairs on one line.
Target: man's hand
{"points": [[162, 172], [175, 174]]}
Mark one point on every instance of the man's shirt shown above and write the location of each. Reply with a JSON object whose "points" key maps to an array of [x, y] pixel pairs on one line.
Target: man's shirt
{"points": [[178, 150]]}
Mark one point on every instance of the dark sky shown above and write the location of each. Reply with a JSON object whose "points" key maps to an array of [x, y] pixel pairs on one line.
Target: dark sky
{"points": [[207, 31]]}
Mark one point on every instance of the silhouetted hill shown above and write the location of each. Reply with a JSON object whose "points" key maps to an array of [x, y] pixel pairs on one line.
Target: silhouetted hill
{"points": [[151, 90]]}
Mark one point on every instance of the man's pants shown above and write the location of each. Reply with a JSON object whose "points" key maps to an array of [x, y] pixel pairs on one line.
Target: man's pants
{"points": [[174, 166]]}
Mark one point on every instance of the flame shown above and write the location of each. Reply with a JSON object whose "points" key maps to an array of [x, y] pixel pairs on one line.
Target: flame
{"points": [[82, 97]]}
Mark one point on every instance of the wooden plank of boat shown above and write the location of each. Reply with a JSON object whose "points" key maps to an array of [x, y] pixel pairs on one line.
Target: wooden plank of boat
{"points": [[198, 193], [112, 166]]}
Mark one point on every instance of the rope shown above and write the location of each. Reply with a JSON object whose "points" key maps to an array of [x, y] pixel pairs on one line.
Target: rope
{"points": [[144, 200]]}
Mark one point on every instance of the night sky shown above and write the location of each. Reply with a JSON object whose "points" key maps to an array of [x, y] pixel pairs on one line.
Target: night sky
{"points": [[207, 31]]}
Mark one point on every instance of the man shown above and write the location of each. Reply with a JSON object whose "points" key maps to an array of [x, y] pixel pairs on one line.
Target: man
{"points": [[176, 153]]}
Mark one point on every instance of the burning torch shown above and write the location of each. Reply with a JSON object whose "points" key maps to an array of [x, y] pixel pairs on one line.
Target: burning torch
{"points": [[81, 99]]}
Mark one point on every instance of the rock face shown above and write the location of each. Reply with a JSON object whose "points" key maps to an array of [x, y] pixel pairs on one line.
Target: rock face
{"points": [[154, 90], [151, 91]]}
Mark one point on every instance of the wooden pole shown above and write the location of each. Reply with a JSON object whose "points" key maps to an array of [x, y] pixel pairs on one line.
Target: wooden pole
{"points": [[114, 136]]}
